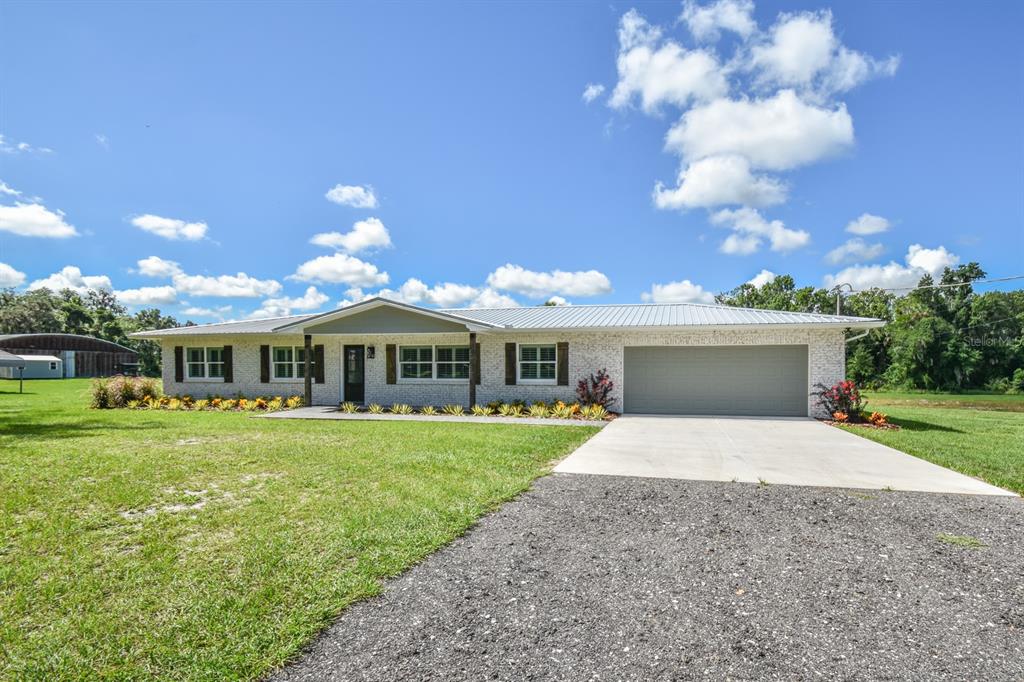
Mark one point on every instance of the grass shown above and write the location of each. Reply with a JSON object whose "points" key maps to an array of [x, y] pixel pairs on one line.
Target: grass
{"points": [[960, 540], [981, 401], [139, 544], [974, 439]]}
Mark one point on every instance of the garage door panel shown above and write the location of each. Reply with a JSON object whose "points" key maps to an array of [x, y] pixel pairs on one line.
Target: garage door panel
{"points": [[728, 380]]}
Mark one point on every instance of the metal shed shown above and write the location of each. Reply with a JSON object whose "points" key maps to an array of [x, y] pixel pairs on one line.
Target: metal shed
{"points": [[80, 356]]}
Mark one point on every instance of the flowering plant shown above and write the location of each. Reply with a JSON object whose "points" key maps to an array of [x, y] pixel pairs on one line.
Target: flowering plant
{"points": [[596, 389], [842, 397]]}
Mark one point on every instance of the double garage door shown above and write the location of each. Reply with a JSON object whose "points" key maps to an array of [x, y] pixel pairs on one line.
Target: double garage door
{"points": [[726, 380]]}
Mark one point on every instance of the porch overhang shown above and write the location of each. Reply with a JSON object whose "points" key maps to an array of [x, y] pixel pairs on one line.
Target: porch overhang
{"points": [[384, 316]]}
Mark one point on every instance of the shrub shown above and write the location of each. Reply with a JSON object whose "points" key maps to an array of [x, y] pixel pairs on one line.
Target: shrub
{"points": [[201, 404], [539, 409], [293, 402], [134, 404], [596, 389], [1000, 385], [227, 405], [1017, 381], [563, 411], [840, 416], [428, 410], [494, 405], [99, 394], [274, 404], [260, 403], [510, 410], [843, 397], [482, 411], [349, 407], [453, 410], [174, 404], [594, 412], [401, 408], [878, 419], [251, 405], [374, 408]]}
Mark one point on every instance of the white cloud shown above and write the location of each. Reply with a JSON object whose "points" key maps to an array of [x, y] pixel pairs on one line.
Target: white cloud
{"points": [[12, 147], [489, 298], [9, 277], [557, 300], [750, 227], [170, 228], [70, 277], [919, 262], [777, 133], [762, 278], [543, 284], [854, 250], [312, 299], [155, 266], [669, 74], [365, 234], [357, 196], [101, 140], [592, 92], [35, 220], [8, 190], [147, 296], [219, 312], [445, 295], [240, 285], [719, 181], [868, 224], [340, 269], [707, 22], [803, 51], [683, 291]]}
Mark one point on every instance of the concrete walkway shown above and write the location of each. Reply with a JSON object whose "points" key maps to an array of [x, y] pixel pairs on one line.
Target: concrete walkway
{"points": [[748, 449], [327, 412]]}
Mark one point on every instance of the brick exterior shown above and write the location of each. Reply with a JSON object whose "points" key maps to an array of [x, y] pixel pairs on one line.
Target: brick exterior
{"points": [[588, 352]]}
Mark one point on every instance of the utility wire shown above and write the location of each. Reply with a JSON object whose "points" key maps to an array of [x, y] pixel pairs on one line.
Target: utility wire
{"points": [[941, 286]]}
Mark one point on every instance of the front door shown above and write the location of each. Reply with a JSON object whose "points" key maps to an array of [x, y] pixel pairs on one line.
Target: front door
{"points": [[354, 376]]}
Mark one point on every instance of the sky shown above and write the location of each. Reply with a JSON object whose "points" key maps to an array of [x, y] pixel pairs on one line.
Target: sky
{"points": [[227, 161]]}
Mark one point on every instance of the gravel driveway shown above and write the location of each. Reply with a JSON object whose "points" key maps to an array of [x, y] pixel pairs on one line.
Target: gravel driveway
{"points": [[599, 577]]}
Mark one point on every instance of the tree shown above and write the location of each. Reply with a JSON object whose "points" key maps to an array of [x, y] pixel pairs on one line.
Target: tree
{"points": [[31, 312], [149, 351]]}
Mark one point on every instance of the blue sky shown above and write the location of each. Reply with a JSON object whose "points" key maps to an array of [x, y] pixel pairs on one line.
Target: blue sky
{"points": [[721, 140]]}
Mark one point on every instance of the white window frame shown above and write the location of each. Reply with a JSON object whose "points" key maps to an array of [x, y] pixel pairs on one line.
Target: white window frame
{"points": [[294, 362], [433, 364], [519, 364], [206, 363]]}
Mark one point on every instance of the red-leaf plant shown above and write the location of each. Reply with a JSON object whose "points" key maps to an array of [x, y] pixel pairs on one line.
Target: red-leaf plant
{"points": [[596, 390], [843, 397]]}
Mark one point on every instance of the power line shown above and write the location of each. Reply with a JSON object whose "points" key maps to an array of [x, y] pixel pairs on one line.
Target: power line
{"points": [[938, 286]]}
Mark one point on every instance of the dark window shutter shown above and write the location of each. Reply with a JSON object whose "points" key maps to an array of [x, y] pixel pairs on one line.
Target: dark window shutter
{"points": [[179, 364], [318, 364], [510, 364], [264, 364], [390, 370], [229, 366], [562, 368], [475, 371]]}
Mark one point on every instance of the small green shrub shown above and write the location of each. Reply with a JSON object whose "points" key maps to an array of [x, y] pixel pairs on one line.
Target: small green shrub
{"points": [[293, 402], [482, 411], [174, 404], [539, 409], [200, 404], [593, 412], [401, 408], [227, 405], [349, 407], [494, 405], [453, 410], [274, 404], [134, 404], [428, 410], [510, 410], [564, 411], [99, 392], [374, 408], [1017, 381]]}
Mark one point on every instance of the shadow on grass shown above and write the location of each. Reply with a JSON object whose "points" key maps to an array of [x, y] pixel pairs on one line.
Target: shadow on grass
{"points": [[914, 425], [12, 426]]}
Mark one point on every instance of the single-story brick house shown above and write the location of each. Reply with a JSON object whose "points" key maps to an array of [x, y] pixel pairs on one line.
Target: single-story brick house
{"points": [[680, 358]]}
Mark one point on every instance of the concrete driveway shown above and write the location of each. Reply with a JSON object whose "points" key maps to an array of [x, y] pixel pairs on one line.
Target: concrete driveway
{"points": [[752, 449]]}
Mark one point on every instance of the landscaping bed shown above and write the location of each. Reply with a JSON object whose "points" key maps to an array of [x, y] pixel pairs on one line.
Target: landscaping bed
{"points": [[513, 410]]}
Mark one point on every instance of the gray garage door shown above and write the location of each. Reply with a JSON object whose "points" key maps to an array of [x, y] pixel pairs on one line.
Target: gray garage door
{"points": [[727, 380]]}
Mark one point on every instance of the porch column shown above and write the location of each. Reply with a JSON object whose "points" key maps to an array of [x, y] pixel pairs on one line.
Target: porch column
{"points": [[307, 356], [474, 364]]}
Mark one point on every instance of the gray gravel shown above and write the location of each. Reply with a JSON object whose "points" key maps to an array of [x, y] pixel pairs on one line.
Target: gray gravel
{"points": [[596, 577]]}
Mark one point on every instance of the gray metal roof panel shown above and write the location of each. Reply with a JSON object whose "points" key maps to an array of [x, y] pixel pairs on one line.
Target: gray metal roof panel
{"points": [[262, 326]]}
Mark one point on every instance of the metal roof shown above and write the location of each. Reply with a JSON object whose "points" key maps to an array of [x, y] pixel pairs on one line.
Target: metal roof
{"points": [[57, 341], [617, 316], [646, 315], [10, 360]]}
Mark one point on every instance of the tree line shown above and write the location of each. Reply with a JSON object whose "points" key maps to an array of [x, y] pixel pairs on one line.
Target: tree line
{"points": [[947, 338], [937, 338], [94, 313]]}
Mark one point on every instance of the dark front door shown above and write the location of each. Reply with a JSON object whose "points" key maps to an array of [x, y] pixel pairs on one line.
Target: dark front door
{"points": [[354, 374]]}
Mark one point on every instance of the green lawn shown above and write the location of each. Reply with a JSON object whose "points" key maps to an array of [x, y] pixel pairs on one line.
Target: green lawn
{"points": [[975, 434], [214, 545]]}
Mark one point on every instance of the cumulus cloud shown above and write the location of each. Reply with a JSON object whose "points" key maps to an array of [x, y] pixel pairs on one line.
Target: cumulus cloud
{"points": [[683, 291], [357, 196], [312, 299], [71, 277], [669, 74], [147, 296], [239, 285], [762, 278], [365, 234], [517, 279], [750, 228], [170, 228], [706, 23], [340, 269], [8, 190], [592, 92], [718, 181], [557, 300], [776, 133], [35, 220], [445, 295], [220, 312], [9, 277], [155, 266], [854, 250], [918, 262], [489, 298], [868, 224]]}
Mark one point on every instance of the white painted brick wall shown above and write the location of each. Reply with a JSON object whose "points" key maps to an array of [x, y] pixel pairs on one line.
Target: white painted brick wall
{"points": [[588, 352]]}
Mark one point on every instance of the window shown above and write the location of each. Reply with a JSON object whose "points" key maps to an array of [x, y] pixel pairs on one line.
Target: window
{"points": [[434, 362], [204, 363], [537, 362], [417, 362], [289, 362], [53, 365]]}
